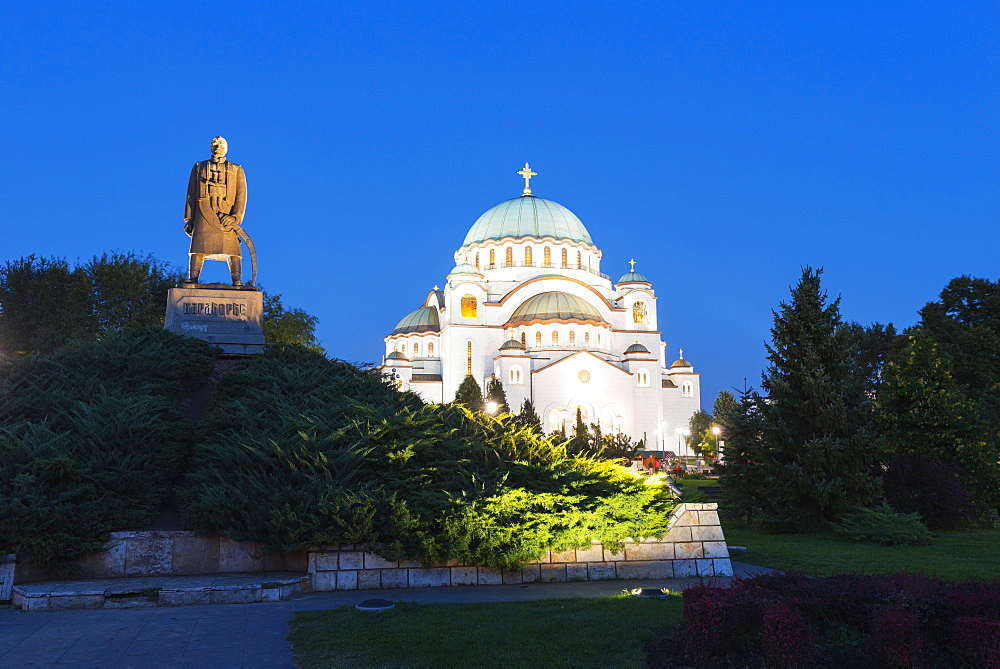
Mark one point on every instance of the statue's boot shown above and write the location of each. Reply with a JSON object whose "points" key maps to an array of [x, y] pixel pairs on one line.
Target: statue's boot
{"points": [[196, 262], [236, 270]]}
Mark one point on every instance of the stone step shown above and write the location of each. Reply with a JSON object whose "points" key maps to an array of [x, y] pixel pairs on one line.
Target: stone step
{"points": [[149, 591]]}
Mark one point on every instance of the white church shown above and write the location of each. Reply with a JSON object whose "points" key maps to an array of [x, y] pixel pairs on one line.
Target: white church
{"points": [[527, 304]]}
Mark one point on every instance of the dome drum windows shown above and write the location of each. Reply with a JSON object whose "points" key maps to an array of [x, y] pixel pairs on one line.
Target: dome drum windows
{"points": [[508, 260], [547, 257], [527, 257], [516, 376]]}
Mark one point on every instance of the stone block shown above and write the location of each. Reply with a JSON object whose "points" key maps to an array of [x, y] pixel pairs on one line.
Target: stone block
{"points": [[347, 547], [676, 534], [649, 551], [716, 549], [689, 551], [369, 579], [488, 576], [23, 603], [410, 564], [531, 574], [395, 578], [429, 578], [351, 560], [601, 571], [707, 532], [685, 568], [287, 561], [553, 573], [7, 570], [195, 555], [347, 580], [686, 519], [576, 571], [594, 553], [544, 558], [613, 557], [228, 317], [107, 563], [324, 581], [373, 561], [184, 597], [646, 569], [271, 595], [325, 561], [237, 556], [705, 567], [464, 576], [512, 577], [564, 556], [146, 556], [723, 567], [708, 517], [236, 596], [73, 602]]}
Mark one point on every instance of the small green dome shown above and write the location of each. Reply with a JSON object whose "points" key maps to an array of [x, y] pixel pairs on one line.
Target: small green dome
{"points": [[555, 306], [633, 277], [528, 216], [396, 355], [637, 348], [424, 319], [511, 344], [464, 268], [681, 362]]}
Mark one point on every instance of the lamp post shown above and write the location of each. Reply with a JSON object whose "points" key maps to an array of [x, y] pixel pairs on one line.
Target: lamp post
{"points": [[681, 433]]}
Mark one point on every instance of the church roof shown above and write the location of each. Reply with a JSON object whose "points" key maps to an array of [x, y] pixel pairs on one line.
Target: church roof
{"points": [[424, 319], [555, 305], [396, 355], [528, 216], [511, 344], [634, 277], [636, 348], [464, 268], [681, 362]]}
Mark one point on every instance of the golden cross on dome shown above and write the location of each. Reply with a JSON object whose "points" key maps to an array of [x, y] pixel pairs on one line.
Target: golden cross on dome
{"points": [[632, 263], [527, 174]]}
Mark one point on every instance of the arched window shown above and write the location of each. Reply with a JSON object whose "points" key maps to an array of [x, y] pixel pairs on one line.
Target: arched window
{"points": [[430, 349], [565, 260], [468, 358], [524, 339], [416, 349], [469, 306], [509, 257], [642, 378], [687, 389], [527, 256], [555, 338], [547, 256], [598, 340], [515, 376], [493, 259], [477, 260], [538, 339], [555, 421], [639, 312], [586, 339], [579, 260], [572, 338]]}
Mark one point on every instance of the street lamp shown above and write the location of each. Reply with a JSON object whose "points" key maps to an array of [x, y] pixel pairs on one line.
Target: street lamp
{"points": [[716, 430], [681, 433], [491, 407]]}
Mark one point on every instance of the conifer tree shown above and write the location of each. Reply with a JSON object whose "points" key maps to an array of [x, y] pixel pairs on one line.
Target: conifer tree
{"points": [[820, 448], [470, 394], [496, 394], [529, 417], [923, 412], [740, 476]]}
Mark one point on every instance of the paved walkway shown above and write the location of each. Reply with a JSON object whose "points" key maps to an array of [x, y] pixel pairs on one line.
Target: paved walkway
{"points": [[236, 635]]}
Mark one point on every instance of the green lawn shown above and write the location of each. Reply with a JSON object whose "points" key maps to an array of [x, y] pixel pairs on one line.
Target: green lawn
{"points": [[954, 555], [609, 631]]}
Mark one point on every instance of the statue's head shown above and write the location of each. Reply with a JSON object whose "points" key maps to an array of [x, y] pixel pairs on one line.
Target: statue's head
{"points": [[219, 147]]}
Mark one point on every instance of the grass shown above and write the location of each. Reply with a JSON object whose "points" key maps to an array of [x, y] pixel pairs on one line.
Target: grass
{"points": [[954, 555], [608, 631]]}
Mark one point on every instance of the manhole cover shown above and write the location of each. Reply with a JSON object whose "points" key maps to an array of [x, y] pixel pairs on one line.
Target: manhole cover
{"points": [[375, 605]]}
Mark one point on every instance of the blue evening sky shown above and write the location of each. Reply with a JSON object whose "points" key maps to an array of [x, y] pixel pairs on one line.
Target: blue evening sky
{"points": [[723, 145]]}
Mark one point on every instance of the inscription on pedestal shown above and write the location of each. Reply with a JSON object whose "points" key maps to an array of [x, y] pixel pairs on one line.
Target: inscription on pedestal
{"points": [[230, 318]]}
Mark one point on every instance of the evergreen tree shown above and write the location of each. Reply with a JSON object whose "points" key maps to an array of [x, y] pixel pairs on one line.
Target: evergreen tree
{"points": [[470, 395], [740, 476], [496, 394], [725, 404], [44, 303], [529, 417], [818, 430], [580, 442], [923, 412]]}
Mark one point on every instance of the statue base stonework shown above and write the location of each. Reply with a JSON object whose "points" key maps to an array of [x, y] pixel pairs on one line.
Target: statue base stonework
{"points": [[229, 317]]}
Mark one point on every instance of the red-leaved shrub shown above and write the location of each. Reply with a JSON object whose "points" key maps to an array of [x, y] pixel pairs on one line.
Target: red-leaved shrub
{"points": [[977, 641], [786, 638], [899, 638]]}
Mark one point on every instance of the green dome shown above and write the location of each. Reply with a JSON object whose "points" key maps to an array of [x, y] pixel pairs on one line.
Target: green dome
{"points": [[511, 344], [637, 348], [424, 319], [633, 277], [555, 306], [464, 268], [528, 216]]}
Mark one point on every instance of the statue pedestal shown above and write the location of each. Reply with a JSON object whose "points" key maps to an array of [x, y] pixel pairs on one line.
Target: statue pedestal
{"points": [[229, 317]]}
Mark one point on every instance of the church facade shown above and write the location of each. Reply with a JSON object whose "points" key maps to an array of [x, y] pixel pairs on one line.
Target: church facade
{"points": [[527, 304]]}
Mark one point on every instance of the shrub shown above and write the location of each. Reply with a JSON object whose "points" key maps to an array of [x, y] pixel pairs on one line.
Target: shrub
{"points": [[93, 438], [899, 639], [340, 457], [924, 485], [882, 525], [786, 638], [977, 641]]}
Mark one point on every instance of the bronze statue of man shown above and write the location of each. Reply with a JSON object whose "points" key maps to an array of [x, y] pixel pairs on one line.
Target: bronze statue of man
{"points": [[214, 208]]}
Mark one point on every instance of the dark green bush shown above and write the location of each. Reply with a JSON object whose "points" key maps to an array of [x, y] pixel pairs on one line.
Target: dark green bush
{"points": [[91, 438], [298, 450], [883, 525]]}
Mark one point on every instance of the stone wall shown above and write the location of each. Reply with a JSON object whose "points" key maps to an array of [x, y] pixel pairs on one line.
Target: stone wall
{"points": [[693, 546], [6, 576]]}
